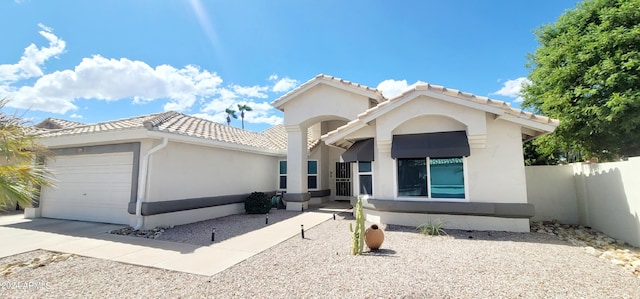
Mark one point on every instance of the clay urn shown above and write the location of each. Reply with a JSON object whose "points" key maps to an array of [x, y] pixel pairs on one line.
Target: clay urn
{"points": [[373, 237]]}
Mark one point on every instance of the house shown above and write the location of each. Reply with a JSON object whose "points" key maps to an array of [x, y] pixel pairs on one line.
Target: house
{"points": [[428, 153]]}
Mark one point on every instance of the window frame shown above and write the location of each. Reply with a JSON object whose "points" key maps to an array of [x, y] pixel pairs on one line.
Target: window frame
{"points": [[280, 175], [316, 175], [357, 177], [286, 173], [428, 197]]}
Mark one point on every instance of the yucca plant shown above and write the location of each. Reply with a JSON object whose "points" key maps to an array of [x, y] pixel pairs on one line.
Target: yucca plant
{"points": [[432, 228]]}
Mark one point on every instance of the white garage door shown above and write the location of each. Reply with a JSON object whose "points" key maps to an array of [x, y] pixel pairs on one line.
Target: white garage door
{"points": [[89, 187]]}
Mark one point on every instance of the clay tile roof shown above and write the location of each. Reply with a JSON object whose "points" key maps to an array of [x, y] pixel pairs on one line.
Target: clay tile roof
{"points": [[55, 123], [278, 135], [121, 124], [375, 93], [423, 86], [274, 139]]}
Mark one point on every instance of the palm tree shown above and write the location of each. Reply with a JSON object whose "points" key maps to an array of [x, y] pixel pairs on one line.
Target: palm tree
{"points": [[20, 174], [242, 108], [230, 113]]}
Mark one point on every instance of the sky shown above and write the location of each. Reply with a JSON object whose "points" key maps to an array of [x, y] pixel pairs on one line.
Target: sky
{"points": [[95, 61]]}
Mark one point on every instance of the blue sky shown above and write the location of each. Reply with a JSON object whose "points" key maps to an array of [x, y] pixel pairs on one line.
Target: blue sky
{"points": [[93, 61]]}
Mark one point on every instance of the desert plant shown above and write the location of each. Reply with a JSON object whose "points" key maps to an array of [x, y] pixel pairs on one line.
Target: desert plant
{"points": [[21, 173], [257, 203], [432, 228], [357, 238]]}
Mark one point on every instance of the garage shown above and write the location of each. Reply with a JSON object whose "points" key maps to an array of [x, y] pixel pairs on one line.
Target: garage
{"points": [[89, 187]]}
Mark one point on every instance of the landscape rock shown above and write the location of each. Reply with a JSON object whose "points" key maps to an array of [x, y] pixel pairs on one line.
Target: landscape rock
{"points": [[149, 234], [594, 243]]}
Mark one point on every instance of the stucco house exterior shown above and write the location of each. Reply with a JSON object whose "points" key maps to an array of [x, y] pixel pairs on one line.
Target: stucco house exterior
{"points": [[428, 153]]}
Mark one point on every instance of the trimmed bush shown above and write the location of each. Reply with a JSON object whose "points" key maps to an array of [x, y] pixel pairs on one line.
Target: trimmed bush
{"points": [[257, 203]]}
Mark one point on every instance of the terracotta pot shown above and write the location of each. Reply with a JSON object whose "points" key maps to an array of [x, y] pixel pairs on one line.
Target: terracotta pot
{"points": [[373, 237]]}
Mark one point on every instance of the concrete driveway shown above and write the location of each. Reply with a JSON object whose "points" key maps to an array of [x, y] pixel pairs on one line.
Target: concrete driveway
{"points": [[93, 240]]}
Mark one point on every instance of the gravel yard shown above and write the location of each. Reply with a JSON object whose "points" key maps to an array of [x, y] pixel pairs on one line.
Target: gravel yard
{"points": [[409, 265]]}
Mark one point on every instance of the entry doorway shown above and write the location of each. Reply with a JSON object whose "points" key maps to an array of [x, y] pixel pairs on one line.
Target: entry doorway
{"points": [[343, 181]]}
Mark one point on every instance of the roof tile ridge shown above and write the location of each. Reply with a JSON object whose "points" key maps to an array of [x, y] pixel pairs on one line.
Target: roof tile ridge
{"points": [[159, 119]]}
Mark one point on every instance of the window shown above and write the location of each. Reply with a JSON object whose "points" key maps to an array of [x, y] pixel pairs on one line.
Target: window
{"points": [[283, 175], [431, 177], [365, 179], [312, 175]]}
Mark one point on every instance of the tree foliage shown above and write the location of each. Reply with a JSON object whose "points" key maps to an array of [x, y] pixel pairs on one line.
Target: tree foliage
{"points": [[20, 174], [586, 72], [242, 108], [230, 113]]}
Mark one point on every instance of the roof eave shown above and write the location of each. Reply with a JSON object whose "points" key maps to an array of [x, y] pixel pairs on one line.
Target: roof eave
{"points": [[213, 143], [329, 81]]}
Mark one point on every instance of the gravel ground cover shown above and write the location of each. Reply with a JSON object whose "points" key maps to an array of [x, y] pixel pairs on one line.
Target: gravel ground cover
{"points": [[463, 264], [199, 233]]}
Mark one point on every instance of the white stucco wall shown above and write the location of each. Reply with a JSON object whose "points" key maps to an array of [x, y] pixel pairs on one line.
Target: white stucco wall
{"points": [[387, 124], [182, 170], [496, 172], [325, 102], [605, 196], [552, 190], [609, 198]]}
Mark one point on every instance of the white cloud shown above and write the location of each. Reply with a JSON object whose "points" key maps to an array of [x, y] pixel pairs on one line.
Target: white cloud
{"points": [[261, 113], [109, 79], [512, 88], [273, 77], [116, 79], [391, 88], [78, 116], [33, 58], [251, 91], [285, 84]]}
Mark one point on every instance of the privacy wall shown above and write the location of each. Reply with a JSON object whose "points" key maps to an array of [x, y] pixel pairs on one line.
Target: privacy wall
{"points": [[605, 196]]}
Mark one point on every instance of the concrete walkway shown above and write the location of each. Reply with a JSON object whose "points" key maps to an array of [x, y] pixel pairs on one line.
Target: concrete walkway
{"points": [[89, 239]]}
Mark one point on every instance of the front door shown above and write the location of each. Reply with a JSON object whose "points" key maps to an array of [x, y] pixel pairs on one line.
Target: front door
{"points": [[343, 179]]}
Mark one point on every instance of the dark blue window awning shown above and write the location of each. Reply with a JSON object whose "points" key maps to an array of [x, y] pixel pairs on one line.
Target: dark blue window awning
{"points": [[435, 145], [361, 150]]}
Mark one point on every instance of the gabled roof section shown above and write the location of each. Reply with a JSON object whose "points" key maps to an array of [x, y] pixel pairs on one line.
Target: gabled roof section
{"points": [[278, 135], [114, 125], [369, 92], [55, 123], [501, 109], [180, 124]]}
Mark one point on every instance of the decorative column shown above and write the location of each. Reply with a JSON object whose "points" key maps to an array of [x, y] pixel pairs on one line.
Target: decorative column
{"points": [[297, 196], [384, 175]]}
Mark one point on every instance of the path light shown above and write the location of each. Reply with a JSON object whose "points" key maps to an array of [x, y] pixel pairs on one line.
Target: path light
{"points": [[334, 216], [213, 234], [266, 220], [302, 230]]}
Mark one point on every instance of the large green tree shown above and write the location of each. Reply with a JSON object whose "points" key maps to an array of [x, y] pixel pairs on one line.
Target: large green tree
{"points": [[20, 173], [586, 72]]}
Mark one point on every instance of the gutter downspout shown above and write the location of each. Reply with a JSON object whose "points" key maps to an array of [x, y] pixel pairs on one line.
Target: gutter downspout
{"points": [[142, 190]]}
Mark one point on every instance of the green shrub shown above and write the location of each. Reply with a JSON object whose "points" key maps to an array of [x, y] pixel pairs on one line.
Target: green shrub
{"points": [[257, 203], [432, 228]]}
